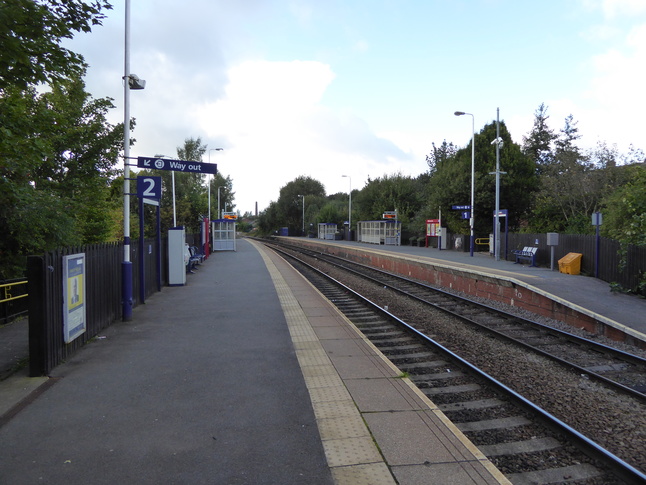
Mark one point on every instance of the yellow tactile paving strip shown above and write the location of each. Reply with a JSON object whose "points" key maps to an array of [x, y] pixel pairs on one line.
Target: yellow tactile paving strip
{"points": [[376, 427]]}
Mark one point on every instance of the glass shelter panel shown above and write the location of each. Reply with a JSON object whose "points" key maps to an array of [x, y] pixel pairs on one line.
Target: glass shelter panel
{"points": [[327, 230], [379, 232], [224, 235]]}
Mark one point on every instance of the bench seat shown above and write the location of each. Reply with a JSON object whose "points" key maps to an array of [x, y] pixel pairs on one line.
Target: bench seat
{"points": [[527, 253]]}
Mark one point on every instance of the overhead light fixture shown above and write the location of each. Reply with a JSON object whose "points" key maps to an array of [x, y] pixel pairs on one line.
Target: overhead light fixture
{"points": [[135, 83]]}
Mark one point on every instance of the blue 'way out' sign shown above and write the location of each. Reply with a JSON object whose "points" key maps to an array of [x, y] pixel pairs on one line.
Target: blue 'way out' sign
{"points": [[176, 165]]}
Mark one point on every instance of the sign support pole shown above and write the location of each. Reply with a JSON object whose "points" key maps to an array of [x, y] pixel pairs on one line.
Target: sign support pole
{"points": [[149, 192], [142, 272]]}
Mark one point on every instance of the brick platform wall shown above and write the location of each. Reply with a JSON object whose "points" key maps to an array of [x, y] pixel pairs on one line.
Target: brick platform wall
{"points": [[480, 285]]}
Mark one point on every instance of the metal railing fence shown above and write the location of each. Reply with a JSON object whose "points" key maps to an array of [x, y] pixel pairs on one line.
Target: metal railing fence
{"points": [[14, 300]]}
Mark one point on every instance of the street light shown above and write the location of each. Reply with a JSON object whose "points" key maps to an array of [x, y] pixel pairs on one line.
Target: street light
{"points": [[131, 81], [209, 182], [349, 207], [219, 213], [473, 174], [303, 212], [498, 142]]}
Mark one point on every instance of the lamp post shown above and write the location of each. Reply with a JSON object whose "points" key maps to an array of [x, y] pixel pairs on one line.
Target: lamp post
{"points": [[209, 181], [303, 212], [131, 81], [473, 173], [349, 206], [219, 213], [498, 142]]}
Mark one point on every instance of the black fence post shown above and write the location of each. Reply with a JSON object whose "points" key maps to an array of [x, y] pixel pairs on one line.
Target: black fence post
{"points": [[37, 320]]}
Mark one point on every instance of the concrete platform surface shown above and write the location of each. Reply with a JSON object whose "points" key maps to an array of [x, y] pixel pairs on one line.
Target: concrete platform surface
{"points": [[246, 375]]}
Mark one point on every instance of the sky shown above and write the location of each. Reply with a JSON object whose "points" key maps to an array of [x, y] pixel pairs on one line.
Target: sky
{"points": [[362, 88]]}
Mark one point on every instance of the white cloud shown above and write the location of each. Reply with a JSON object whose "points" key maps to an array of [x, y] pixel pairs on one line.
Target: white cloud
{"points": [[601, 33], [276, 129], [617, 90], [361, 46], [302, 11], [615, 8]]}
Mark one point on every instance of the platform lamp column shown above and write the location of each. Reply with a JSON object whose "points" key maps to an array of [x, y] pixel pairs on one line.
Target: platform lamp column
{"points": [[130, 81], [219, 213], [473, 173], [303, 212], [498, 141], [349, 206], [209, 182]]}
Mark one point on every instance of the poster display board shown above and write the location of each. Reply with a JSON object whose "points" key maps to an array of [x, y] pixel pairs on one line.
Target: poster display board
{"points": [[74, 322], [432, 227]]}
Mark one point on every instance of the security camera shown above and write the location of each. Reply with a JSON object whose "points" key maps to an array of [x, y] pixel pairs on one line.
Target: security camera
{"points": [[499, 141]]}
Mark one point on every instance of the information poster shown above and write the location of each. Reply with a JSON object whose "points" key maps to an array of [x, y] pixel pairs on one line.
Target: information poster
{"points": [[74, 323], [432, 227]]}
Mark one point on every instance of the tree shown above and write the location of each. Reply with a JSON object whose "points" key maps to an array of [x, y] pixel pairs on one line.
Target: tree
{"points": [[451, 185], [30, 36], [625, 208], [290, 208], [268, 220], [389, 193], [570, 187], [190, 202], [331, 213], [56, 149], [191, 193], [538, 144], [227, 196], [440, 155], [57, 157]]}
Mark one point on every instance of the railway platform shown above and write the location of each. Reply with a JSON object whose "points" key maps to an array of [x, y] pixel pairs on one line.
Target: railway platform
{"points": [[618, 315], [246, 375]]}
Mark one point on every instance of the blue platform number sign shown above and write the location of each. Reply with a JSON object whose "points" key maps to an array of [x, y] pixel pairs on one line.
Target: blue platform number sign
{"points": [[149, 189], [74, 322]]}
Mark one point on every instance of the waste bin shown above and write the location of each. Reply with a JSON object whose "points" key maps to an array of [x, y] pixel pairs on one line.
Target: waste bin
{"points": [[570, 263]]}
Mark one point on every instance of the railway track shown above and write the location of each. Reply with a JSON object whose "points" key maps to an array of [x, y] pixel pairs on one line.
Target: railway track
{"points": [[620, 370], [527, 443]]}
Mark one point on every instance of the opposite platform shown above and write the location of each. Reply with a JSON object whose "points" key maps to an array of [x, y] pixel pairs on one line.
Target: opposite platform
{"points": [[581, 301]]}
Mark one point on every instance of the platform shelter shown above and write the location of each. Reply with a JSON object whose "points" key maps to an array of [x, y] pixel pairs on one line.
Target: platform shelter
{"points": [[327, 230], [386, 232], [224, 234]]}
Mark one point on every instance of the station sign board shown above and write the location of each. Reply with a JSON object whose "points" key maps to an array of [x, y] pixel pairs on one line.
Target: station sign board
{"points": [[149, 189], [389, 215], [153, 163], [233, 216]]}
